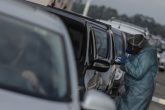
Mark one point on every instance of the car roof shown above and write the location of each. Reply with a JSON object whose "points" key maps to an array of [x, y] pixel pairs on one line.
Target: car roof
{"points": [[22, 11], [128, 28], [129, 25], [123, 28], [71, 15]]}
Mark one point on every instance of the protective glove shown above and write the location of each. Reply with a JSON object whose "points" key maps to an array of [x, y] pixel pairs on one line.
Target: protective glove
{"points": [[121, 60]]}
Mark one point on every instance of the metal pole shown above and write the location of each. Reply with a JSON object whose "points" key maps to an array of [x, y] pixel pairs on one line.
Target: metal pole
{"points": [[86, 9]]}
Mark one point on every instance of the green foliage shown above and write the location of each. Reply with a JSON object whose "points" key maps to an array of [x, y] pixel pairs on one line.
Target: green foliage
{"points": [[102, 12]]}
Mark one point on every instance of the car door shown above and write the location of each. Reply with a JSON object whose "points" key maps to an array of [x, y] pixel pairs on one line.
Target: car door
{"points": [[101, 51]]}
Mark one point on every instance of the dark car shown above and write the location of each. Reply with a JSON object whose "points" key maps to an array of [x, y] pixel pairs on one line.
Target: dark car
{"points": [[91, 41]]}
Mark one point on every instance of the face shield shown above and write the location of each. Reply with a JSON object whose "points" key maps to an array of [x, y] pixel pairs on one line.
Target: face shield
{"points": [[137, 41]]}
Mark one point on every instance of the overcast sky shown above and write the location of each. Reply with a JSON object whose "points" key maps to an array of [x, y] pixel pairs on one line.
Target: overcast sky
{"points": [[151, 8]]}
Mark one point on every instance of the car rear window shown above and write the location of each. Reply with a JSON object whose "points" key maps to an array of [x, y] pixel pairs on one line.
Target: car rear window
{"points": [[101, 42]]}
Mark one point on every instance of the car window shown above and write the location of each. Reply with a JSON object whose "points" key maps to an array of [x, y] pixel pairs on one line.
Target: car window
{"points": [[77, 40], [101, 42], [119, 42], [31, 59], [79, 46]]}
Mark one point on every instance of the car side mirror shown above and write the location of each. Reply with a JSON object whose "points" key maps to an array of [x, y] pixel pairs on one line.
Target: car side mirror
{"points": [[95, 100], [101, 65]]}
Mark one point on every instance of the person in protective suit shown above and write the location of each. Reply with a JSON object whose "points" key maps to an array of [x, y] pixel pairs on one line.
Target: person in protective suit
{"points": [[141, 68]]}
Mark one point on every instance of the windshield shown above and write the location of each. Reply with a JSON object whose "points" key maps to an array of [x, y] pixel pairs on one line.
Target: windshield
{"points": [[31, 59]]}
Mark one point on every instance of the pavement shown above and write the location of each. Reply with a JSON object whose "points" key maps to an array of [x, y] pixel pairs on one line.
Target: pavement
{"points": [[158, 101], [156, 106]]}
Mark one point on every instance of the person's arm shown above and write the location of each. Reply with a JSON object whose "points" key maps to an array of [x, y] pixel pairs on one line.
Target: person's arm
{"points": [[140, 69]]}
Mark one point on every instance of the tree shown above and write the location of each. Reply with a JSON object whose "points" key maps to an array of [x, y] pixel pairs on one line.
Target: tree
{"points": [[102, 12]]}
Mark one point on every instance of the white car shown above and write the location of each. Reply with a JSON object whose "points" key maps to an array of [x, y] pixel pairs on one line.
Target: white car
{"points": [[130, 28], [162, 62], [37, 67]]}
